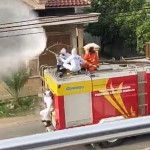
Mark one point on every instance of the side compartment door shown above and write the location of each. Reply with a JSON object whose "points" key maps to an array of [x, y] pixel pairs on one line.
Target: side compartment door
{"points": [[78, 109]]}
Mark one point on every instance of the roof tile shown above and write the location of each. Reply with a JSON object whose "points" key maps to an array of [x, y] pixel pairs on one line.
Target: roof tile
{"points": [[66, 3]]}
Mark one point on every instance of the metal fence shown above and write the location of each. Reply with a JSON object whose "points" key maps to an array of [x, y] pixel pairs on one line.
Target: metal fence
{"points": [[80, 135]]}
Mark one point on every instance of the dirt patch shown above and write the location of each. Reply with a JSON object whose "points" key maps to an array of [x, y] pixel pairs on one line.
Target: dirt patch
{"points": [[13, 121]]}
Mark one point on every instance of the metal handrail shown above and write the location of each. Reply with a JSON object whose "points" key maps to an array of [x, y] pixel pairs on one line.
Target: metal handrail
{"points": [[80, 135]]}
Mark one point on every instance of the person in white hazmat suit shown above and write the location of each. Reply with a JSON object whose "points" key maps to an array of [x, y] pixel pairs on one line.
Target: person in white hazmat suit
{"points": [[45, 113], [74, 61], [64, 55]]}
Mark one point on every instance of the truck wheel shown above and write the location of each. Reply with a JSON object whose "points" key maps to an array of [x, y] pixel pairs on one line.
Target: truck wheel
{"points": [[112, 143]]}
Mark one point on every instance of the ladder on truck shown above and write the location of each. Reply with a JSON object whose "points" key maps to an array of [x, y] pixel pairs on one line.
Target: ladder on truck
{"points": [[142, 92], [143, 105], [44, 68]]}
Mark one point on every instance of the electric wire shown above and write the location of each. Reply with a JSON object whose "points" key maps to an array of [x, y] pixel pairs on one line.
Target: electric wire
{"points": [[24, 21], [51, 17], [7, 31], [17, 35], [53, 21], [47, 17], [39, 23]]}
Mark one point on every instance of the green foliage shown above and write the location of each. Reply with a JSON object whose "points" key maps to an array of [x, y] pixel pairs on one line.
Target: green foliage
{"points": [[8, 109], [128, 19], [143, 35], [16, 82]]}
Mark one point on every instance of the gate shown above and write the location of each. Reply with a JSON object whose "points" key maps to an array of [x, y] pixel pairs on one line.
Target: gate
{"points": [[54, 43], [47, 58]]}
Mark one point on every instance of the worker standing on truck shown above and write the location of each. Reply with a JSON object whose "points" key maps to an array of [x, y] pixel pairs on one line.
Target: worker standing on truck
{"points": [[45, 113], [64, 55], [74, 61], [91, 60]]}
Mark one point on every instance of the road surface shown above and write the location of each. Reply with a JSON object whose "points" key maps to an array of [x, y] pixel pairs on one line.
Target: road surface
{"points": [[138, 143], [19, 130], [35, 127]]}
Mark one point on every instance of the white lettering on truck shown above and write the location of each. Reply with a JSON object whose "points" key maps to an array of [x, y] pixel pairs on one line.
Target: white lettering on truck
{"points": [[124, 89]]}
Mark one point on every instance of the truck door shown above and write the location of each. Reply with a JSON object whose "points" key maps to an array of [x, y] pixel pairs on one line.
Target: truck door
{"points": [[78, 101]]}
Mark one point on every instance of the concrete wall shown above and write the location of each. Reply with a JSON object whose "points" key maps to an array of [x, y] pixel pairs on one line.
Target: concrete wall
{"points": [[91, 39], [116, 50], [32, 87], [61, 34]]}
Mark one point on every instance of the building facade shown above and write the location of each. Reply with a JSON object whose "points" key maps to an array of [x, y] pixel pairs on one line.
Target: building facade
{"points": [[64, 29]]}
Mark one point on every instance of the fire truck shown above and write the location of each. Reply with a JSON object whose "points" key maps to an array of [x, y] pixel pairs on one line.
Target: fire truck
{"points": [[111, 93]]}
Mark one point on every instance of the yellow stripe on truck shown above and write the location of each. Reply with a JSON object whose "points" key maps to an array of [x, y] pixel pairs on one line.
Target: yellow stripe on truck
{"points": [[51, 83], [99, 84], [68, 88], [75, 88]]}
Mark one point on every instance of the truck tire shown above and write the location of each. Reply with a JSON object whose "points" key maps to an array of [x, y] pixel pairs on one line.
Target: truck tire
{"points": [[112, 143]]}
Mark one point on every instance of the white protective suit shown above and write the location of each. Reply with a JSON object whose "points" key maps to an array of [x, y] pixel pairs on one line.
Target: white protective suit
{"points": [[45, 113], [64, 55], [73, 63]]}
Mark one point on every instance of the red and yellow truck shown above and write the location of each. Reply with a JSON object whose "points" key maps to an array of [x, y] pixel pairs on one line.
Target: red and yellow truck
{"points": [[110, 92]]}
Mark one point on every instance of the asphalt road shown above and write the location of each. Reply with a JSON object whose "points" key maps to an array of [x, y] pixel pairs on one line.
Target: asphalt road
{"points": [[21, 130], [138, 143]]}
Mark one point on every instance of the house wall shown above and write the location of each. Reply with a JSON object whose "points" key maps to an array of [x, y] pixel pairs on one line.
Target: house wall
{"points": [[64, 35], [88, 38], [32, 87], [58, 37]]}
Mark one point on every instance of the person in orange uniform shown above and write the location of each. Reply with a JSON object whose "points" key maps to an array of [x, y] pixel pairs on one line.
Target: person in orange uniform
{"points": [[91, 60]]}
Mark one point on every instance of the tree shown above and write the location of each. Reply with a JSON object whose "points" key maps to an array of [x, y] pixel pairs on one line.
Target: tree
{"points": [[143, 31], [118, 18], [143, 35], [133, 25], [16, 82]]}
